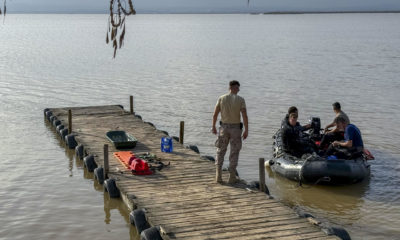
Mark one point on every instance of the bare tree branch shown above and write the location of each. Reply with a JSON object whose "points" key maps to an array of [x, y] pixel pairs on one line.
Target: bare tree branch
{"points": [[116, 20]]}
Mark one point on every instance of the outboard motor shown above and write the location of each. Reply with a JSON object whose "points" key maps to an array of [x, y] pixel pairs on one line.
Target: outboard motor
{"points": [[315, 130]]}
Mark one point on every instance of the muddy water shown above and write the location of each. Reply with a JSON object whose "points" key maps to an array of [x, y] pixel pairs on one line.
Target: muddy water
{"points": [[176, 66]]}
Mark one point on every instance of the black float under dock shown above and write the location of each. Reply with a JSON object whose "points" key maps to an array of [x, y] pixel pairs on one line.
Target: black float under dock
{"points": [[181, 201]]}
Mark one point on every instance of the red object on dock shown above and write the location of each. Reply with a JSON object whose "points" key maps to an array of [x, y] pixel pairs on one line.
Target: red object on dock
{"points": [[131, 162], [140, 167], [124, 157]]}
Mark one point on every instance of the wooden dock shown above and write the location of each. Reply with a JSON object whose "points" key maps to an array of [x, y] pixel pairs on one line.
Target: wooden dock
{"points": [[183, 199]]}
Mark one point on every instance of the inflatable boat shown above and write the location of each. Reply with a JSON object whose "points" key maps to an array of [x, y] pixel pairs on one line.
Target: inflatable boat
{"points": [[314, 169]]}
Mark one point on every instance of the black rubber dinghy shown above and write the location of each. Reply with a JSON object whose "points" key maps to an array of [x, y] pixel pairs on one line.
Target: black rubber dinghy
{"points": [[314, 169]]}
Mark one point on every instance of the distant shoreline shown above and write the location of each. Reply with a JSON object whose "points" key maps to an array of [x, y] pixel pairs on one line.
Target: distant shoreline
{"points": [[251, 13], [330, 12]]}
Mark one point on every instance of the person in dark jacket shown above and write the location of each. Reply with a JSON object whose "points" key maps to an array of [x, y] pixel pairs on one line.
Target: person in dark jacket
{"points": [[291, 140], [285, 120]]}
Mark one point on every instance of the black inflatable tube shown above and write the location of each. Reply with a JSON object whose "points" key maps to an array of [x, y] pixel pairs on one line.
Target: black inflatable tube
{"points": [[325, 227], [51, 119], [79, 151], [70, 140], [48, 115], [337, 231], [256, 185], [111, 188], [99, 175], [165, 132], [56, 123], [175, 138], [194, 148], [59, 127], [151, 124], [90, 163], [139, 220], [63, 133], [152, 233], [209, 158]]}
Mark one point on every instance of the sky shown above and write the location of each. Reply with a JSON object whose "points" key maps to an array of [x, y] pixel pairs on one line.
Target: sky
{"points": [[202, 6]]}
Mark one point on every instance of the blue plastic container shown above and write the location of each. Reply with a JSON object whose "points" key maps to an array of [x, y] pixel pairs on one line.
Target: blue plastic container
{"points": [[166, 144]]}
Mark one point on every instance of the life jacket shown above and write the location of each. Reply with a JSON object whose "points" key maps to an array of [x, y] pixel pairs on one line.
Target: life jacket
{"points": [[139, 166]]}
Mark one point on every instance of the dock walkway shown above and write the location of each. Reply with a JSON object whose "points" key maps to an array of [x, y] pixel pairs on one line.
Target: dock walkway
{"points": [[183, 198]]}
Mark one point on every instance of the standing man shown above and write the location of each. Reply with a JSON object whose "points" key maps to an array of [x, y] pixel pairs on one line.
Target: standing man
{"points": [[230, 106]]}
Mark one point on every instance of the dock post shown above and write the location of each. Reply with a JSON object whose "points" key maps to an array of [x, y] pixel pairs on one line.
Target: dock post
{"points": [[69, 121], [106, 165], [262, 174], [131, 103], [181, 132]]}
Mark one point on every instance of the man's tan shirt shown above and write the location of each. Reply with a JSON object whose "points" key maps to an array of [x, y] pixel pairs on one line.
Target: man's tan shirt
{"points": [[230, 106]]}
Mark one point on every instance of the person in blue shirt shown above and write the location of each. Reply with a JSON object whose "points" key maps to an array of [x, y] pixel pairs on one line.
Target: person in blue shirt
{"points": [[353, 143]]}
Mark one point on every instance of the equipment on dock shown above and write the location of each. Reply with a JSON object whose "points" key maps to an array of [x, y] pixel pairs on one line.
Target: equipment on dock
{"points": [[140, 164], [312, 168], [166, 144], [121, 139]]}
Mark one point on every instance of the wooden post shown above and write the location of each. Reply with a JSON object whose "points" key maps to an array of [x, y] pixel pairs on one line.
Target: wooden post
{"points": [[131, 103], [69, 121], [106, 165], [262, 174], [181, 132]]}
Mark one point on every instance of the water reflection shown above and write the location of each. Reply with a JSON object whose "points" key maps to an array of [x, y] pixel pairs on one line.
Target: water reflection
{"points": [[70, 155], [79, 163], [112, 204], [345, 201]]}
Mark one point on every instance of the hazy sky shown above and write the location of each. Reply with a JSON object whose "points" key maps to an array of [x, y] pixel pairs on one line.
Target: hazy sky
{"points": [[180, 6]]}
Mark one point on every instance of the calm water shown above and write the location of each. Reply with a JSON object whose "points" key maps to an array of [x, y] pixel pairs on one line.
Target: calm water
{"points": [[176, 66]]}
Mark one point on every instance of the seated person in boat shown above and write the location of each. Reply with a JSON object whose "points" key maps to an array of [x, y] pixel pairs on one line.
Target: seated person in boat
{"points": [[291, 140], [352, 146], [337, 133], [285, 120]]}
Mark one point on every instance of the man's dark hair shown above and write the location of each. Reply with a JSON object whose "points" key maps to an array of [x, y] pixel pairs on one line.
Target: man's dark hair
{"points": [[336, 106], [233, 83], [292, 109], [340, 119]]}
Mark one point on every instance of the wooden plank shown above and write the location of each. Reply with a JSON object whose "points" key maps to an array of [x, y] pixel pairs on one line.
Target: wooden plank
{"points": [[231, 214], [212, 221], [235, 232], [225, 225]]}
